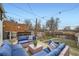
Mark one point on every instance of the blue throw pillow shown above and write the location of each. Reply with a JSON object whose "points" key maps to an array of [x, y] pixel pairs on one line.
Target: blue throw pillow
{"points": [[18, 50], [5, 49], [34, 37]]}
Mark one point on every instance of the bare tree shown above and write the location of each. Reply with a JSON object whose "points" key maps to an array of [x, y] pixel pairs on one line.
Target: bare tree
{"points": [[56, 23], [52, 24], [43, 28], [37, 25], [28, 23], [13, 20], [67, 28], [77, 28]]}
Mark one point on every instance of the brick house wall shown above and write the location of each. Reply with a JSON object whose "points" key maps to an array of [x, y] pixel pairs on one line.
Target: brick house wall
{"points": [[9, 26], [14, 27]]}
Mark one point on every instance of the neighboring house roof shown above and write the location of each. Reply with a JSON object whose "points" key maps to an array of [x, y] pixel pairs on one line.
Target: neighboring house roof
{"points": [[14, 27]]}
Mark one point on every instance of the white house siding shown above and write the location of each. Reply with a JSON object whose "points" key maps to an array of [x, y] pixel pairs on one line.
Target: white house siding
{"points": [[1, 32], [77, 35]]}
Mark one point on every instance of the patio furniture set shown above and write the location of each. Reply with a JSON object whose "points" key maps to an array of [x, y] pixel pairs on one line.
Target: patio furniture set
{"points": [[53, 49]]}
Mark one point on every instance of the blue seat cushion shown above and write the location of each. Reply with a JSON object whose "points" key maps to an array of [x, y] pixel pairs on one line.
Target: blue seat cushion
{"points": [[25, 41], [22, 38], [6, 42], [61, 46], [5, 49], [47, 50], [18, 50], [52, 53], [41, 53], [56, 52]]}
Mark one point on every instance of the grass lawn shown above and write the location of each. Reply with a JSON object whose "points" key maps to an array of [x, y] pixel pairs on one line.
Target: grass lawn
{"points": [[74, 50]]}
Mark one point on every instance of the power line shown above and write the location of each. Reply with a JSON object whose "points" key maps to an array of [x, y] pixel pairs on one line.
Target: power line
{"points": [[76, 6], [13, 14], [31, 9], [23, 10], [18, 19], [32, 12]]}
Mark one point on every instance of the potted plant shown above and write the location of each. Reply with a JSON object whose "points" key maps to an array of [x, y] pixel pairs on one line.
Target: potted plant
{"points": [[35, 43]]}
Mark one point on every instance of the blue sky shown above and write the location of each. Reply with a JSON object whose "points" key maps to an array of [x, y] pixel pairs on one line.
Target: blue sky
{"points": [[69, 12]]}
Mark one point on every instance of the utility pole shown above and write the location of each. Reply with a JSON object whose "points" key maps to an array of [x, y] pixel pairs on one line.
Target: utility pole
{"points": [[36, 27]]}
